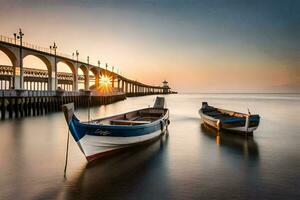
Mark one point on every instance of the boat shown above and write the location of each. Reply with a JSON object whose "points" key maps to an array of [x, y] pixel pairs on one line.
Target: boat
{"points": [[97, 138], [221, 119]]}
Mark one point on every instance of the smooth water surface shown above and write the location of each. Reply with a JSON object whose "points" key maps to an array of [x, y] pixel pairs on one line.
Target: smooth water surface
{"points": [[191, 162]]}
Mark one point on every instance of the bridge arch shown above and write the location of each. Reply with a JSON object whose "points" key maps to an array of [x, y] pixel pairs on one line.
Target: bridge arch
{"points": [[93, 77], [36, 72], [84, 69], [66, 74], [10, 55], [40, 58], [83, 73], [69, 64], [7, 65]]}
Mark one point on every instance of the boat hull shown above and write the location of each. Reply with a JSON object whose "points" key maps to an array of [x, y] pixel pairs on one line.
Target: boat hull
{"points": [[103, 136], [95, 147], [217, 124]]}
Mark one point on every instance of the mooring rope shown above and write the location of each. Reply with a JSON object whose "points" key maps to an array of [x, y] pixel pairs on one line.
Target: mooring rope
{"points": [[67, 153]]}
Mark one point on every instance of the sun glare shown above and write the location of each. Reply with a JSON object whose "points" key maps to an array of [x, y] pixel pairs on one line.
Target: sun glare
{"points": [[105, 80], [105, 84]]}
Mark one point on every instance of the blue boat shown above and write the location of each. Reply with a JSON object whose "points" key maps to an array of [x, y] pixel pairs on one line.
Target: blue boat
{"points": [[222, 119], [100, 137]]}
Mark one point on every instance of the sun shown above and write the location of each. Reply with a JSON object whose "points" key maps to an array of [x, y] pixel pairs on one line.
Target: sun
{"points": [[105, 84], [105, 81]]}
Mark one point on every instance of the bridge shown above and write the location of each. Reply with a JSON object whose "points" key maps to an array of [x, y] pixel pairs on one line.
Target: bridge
{"points": [[17, 77], [18, 83]]}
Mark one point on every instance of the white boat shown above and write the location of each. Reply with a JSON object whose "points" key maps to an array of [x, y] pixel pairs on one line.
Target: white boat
{"points": [[103, 136], [228, 120]]}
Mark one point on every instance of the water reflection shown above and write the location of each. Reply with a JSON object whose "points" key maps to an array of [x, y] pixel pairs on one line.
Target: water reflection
{"points": [[118, 175], [187, 165], [245, 145]]}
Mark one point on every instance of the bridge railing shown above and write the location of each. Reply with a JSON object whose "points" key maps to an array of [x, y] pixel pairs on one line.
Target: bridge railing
{"points": [[39, 48]]}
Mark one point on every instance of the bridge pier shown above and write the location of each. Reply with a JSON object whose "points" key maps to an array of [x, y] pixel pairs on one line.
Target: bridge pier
{"points": [[41, 103]]}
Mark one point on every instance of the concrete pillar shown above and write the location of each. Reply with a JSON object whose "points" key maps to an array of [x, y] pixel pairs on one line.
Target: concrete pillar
{"points": [[129, 87], [75, 82], [118, 84], [52, 81], [123, 85], [86, 81], [113, 82], [17, 79], [124, 88]]}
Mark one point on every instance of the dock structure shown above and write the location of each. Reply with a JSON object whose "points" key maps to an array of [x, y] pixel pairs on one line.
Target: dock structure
{"points": [[29, 91]]}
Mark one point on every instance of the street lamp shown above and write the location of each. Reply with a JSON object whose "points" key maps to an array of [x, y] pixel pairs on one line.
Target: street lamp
{"points": [[75, 77], [88, 60], [99, 63], [77, 54], [15, 37], [106, 66], [54, 47], [19, 71]]}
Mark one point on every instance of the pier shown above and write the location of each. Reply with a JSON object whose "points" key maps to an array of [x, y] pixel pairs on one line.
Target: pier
{"points": [[30, 91]]}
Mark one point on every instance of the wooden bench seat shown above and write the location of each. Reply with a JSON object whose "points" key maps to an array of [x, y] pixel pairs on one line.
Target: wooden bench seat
{"points": [[128, 122]]}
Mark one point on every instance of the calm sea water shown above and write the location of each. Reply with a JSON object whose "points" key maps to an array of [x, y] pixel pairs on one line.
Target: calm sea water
{"points": [[191, 162]]}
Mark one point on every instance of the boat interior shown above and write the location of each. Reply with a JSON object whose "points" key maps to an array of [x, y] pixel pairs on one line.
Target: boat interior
{"points": [[222, 114], [134, 118]]}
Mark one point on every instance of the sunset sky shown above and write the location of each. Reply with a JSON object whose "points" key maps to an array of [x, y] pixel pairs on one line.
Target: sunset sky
{"points": [[198, 46]]}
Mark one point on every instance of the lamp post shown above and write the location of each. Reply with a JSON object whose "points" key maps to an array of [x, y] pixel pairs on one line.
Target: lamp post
{"points": [[19, 71], [15, 37], [75, 76], [106, 66], [54, 47], [99, 63], [77, 54]]}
